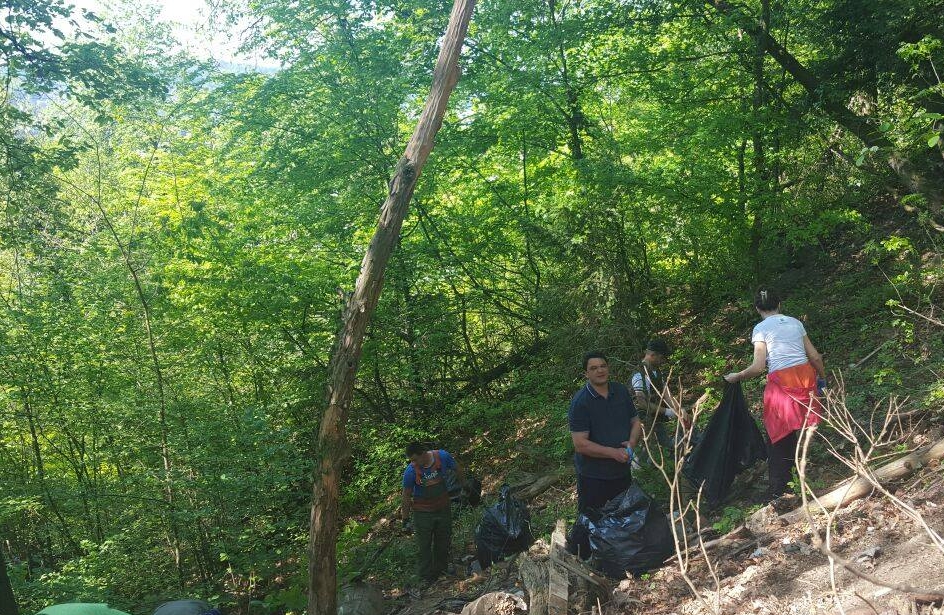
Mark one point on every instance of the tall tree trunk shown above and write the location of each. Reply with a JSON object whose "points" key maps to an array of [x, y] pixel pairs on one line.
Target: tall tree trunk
{"points": [[526, 232], [908, 175], [761, 176], [332, 446], [7, 599]]}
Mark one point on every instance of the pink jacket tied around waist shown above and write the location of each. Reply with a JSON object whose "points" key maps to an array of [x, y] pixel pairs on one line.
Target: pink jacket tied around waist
{"points": [[790, 401]]}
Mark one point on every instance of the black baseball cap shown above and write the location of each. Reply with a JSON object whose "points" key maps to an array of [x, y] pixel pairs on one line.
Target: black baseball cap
{"points": [[658, 346]]}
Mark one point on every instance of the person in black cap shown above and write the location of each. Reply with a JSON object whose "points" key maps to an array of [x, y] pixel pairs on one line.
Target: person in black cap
{"points": [[653, 400]]}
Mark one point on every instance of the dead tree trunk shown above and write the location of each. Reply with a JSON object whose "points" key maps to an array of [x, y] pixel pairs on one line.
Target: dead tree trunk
{"points": [[907, 174], [7, 599], [332, 439]]}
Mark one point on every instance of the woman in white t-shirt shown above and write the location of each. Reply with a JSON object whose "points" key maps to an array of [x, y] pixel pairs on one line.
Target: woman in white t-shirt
{"points": [[784, 350]]}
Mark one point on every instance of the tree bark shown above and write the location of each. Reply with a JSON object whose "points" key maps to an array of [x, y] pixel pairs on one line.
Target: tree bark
{"points": [[908, 175], [534, 577], [332, 448], [761, 190], [7, 599]]}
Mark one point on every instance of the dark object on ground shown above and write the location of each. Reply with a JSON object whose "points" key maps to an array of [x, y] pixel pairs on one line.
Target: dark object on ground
{"points": [[729, 444], [578, 539], [473, 490], [183, 607], [505, 529], [631, 535], [468, 493], [360, 599]]}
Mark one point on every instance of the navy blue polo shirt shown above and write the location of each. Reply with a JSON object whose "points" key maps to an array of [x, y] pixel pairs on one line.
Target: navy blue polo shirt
{"points": [[609, 421]]}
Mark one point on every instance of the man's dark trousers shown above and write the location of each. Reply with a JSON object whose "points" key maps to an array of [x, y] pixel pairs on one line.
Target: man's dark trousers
{"points": [[433, 534], [595, 492]]}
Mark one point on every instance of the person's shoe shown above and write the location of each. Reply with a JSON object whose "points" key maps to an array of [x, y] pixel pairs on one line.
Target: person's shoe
{"points": [[451, 570]]}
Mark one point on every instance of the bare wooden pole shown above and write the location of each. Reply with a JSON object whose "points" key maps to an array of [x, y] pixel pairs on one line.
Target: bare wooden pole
{"points": [[7, 600], [332, 444]]}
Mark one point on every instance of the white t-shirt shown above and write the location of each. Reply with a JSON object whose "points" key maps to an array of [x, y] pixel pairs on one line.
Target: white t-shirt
{"points": [[784, 338]]}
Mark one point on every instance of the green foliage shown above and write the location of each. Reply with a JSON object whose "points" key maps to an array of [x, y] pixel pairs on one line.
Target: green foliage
{"points": [[178, 242], [731, 517], [127, 571]]}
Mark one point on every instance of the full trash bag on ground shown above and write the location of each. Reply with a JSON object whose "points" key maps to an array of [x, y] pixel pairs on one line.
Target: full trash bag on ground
{"points": [[729, 444], [463, 493], [632, 534], [578, 539], [505, 529]]}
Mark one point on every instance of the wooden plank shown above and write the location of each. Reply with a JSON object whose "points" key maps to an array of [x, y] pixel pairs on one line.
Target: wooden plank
{"points": [[579, 571], [557, 593]]}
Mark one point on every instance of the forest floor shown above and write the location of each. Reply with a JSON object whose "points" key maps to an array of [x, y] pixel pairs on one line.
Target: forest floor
{"points": [[784, 573]]}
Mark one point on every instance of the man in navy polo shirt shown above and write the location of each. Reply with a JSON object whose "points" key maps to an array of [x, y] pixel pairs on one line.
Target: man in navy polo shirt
{"points": [[603, 425]]}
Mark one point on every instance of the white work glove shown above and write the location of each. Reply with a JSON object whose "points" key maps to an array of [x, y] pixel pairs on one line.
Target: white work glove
{"points": [[669, 413]]}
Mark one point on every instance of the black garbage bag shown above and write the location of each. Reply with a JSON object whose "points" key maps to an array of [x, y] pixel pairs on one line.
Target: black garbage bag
{"points": [[505, 529], [729, 444], [463, 493], [632, 535], [578, 538], [472, 490]]}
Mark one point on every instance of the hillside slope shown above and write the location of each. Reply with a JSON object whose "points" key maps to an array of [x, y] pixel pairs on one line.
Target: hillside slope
{"points": [[868, 302]]}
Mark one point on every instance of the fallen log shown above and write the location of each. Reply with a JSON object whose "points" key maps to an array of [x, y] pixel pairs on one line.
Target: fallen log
{"points": [[734, 536], [536, 487], [534, 576], [525, 481], [857, 487]]}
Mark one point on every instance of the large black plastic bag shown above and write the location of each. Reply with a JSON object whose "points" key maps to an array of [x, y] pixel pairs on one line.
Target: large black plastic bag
{"points": [[632, 535], [729, 444], [578, 539], [463, 493], [505, 529]]}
